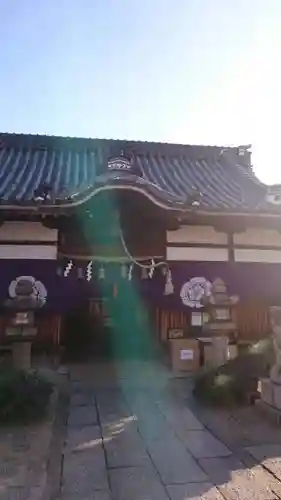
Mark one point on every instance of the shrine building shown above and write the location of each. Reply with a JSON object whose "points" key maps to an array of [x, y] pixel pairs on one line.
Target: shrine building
{"points": [[135, 233]]}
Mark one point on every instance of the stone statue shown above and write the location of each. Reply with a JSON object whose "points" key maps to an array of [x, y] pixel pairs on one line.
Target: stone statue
{"points": [[275, 318]]}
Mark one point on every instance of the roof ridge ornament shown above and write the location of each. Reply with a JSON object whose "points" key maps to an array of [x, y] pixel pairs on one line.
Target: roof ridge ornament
{"points": [[273, 195], [243, 150], [42, 193], [240, 150], [120, 162], [193, 199]]}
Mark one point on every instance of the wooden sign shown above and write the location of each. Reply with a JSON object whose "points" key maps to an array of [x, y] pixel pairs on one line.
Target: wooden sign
{"points": [[175, 333]]}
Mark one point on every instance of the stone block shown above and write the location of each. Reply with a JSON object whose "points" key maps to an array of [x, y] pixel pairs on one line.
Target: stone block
{"points": [[83, 398], [202, 444], [82, 415], [125, 449], [173, 462], [180, 418], [136, 483], [194, 491], [83, 439], [22, 355], [277, 395], [236, 482], [268, 455], [208, 355], [153, 429], [185, 354], [84, 472], [220, 347], [93, 495], [267, 391], [22, 493]]}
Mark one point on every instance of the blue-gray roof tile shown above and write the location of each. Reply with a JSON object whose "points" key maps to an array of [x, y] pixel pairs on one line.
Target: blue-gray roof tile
{"points": [[69, 165]]}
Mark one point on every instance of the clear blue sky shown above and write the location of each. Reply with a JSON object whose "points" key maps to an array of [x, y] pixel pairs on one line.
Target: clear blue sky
{"points": [[191, 71]]}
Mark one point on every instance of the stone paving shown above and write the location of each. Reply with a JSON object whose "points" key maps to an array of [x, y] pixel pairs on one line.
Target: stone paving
{"points": [[23, 459], [132, 436], [25, 451]]}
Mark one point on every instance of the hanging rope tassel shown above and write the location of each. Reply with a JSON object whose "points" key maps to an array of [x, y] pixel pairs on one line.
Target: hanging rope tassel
{"points": [[130, 273], [151, 270], [169, 286], [68, 268], [89, 271]]}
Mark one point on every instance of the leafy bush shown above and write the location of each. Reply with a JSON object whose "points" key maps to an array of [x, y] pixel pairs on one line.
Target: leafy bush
{"points": [[232, 383], [218, 389], [24, 396]]}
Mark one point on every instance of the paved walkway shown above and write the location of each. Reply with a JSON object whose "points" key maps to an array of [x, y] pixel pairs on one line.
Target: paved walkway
{"points": [[132, 436], [23, 460]]}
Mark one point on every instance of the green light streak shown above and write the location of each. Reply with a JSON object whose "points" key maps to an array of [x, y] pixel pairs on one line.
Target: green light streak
{"points": [[131, 335]]}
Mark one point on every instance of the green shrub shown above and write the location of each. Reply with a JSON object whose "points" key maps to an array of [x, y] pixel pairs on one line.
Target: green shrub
{"points": [[232, 383], [219, 389], [24, 396]]}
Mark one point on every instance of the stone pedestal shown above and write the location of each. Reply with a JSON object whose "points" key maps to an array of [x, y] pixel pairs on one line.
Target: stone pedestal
{"points": [[220, 350], [270, 402], [271, 387], [22, 355], [216, 351], [232, 351], [208, 355], [221, 326], [267, 391], [277, 395]]}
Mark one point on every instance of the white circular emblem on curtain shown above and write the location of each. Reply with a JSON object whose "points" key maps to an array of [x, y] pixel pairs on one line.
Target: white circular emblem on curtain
{"points": [[194, 290], [39, 290]]}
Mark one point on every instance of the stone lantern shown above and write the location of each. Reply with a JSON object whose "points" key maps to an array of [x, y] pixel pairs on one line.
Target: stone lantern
{"points": [[221, 326], [220, 307], [21, 328], [271, 387]]}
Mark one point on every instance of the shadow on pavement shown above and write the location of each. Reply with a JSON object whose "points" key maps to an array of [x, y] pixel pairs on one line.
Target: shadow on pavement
{"points": [[135, 432]]}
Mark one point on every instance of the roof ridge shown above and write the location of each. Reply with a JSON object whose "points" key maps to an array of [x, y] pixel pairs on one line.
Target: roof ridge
{"points": [[68, 164], [117, 140]]}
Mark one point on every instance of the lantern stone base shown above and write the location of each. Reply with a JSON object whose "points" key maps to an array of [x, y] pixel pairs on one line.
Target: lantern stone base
{"points": [[266, 386], [270, 401], [277, 395], [22, 355], [220, 350], [208, 355], [216, 351], [232, 351]]}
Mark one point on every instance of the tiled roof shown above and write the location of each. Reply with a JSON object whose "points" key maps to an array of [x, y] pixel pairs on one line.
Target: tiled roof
{"points": [[73, 167]]}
